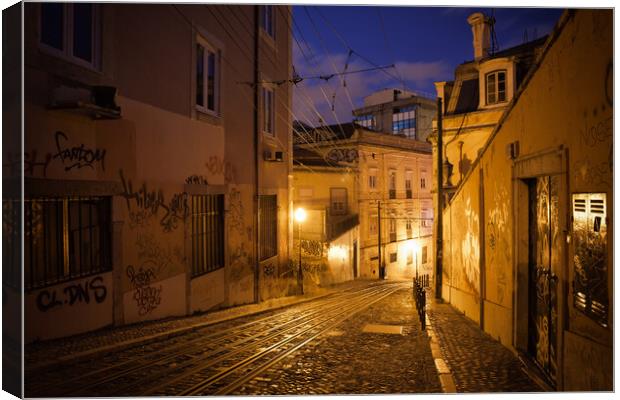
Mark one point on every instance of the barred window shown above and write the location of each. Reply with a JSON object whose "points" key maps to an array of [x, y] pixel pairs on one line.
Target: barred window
{"points": [[66, 238], [268, 225], [424, 254], [207, 233]]}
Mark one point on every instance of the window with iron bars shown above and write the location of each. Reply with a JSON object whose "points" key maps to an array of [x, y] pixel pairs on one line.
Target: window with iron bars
{"points": [[64, 238], [268, 226], [207, 233]]}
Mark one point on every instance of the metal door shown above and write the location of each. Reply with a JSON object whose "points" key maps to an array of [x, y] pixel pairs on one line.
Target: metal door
{"points": [[544, 261]]}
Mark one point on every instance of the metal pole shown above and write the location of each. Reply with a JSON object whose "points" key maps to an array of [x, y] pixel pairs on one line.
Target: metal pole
{"points": [[416, 265], [438, 246], [379, 235], [300, 274]]}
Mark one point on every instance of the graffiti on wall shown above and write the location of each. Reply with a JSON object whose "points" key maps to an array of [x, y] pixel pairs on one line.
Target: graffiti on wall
{"points": [[33, 165], [196, 180], [240, 263], [74, 293], [236, 212], [216, 166], [349, 155], [150, 252], [470, 248], [312, 247], [148, 203], [77, 156], [498, 236], [147, 297], [596, 133]]}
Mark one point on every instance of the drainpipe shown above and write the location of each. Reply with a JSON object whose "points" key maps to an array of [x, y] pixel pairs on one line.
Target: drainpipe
{"points": [[438, 246], [256, 162]]}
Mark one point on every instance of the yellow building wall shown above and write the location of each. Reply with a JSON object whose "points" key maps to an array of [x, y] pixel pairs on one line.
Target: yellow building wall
{"points": [[567, 103]]}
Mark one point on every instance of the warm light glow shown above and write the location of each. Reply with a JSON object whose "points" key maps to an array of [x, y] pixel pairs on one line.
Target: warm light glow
{"points": [[337, 253], [300, 215], [413, 246]]}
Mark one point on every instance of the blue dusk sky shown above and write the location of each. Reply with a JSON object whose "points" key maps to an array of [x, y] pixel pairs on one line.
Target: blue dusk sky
{"points": [[425, 44]]}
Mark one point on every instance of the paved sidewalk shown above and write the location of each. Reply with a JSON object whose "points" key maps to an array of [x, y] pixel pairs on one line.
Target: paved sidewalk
{"points": [[477, 362], [44, 354]]}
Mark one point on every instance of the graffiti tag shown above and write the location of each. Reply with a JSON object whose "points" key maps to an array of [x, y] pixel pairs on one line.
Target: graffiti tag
{"points": [[147, 297], [72, 294], [77, 156]]}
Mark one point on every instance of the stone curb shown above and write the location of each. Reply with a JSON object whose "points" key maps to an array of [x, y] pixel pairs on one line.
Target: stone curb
{"points": [[174, 332], [443, 371]]}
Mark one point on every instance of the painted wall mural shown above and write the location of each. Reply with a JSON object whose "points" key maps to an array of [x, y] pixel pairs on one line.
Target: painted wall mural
{"points": [[499, 248], [470, 248]]}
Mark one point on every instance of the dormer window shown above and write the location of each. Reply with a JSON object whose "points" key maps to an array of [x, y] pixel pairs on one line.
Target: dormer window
{"points": [[496, 87]]}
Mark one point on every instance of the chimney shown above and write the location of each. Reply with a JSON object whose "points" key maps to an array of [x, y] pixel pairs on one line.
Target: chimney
{"points": [[481, 29]]}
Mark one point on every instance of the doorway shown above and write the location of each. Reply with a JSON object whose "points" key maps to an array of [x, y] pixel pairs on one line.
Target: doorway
{"points": [[543, 264]]}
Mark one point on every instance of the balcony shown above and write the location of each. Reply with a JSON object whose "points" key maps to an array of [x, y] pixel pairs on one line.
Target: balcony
{"points": [[337, 225], [409, 194], [392, 194]]}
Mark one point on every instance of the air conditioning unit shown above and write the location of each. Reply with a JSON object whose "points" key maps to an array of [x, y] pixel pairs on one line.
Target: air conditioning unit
{"points": [[273, 155]]}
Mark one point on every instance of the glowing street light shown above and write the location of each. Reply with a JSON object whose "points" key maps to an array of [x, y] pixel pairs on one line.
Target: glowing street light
{"points": [[300, 216]]}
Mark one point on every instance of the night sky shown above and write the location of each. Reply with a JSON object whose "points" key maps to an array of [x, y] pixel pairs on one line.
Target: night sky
{"points": [[425, 44]]}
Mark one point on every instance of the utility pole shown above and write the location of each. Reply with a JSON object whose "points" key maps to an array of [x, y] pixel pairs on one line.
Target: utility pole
{"points": [[381, 274], [438, 245], [256, 159]]}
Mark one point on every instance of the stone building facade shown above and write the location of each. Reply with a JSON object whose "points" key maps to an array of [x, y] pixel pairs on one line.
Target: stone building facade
{"points": [[156, 172], [379, 170]]}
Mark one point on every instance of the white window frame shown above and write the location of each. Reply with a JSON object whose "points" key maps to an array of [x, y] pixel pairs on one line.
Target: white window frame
{"points": [[208, 47], [372, 179], [67, 38], [495, 74]]}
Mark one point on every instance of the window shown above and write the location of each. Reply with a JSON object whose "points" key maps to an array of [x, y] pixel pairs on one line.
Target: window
{"points": [[392, 230], [424, 254], [72, 30], [372, 178], [338, 201], [403, 121], [408, 191], [268, 110], [207, 77], [207, 233], [392, 184], [372, 226], [367, 121], [393, 257], [496, 87], [409, 229], [422, 183], [267, 20], [268, 226], [66, 238]]}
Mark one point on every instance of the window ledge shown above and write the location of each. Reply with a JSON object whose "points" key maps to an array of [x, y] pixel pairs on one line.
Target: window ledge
{"points": [[206, 116]]}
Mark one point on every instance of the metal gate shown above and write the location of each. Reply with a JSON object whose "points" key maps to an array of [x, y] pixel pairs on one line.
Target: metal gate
{"points": [[544, 263]]}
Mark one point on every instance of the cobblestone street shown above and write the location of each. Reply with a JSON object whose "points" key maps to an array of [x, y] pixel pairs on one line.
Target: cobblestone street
{"points": [[363, 338]]}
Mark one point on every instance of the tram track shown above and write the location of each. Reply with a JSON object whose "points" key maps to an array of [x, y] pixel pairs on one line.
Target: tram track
{"points": [[142, 370]]}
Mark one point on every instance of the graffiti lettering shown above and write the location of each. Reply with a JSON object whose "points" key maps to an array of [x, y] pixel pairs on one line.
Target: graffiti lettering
{"points": [[196, 180], [217, 166], [149, 202], [31, 163], [77, 156], [236, 212], [151, 253], [312, 247], [72, 294], [147, 297], [343, 155], [597, 133]]}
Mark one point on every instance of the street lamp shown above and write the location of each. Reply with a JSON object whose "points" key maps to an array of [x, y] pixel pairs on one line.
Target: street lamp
{"points": [[415, 247], [300, 216]]}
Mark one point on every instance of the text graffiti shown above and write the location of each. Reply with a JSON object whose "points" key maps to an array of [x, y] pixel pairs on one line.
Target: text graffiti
{"points": [[343, 155], [217, 166], [147, 297], [148, 202], [77, 156], [72, 294]]}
